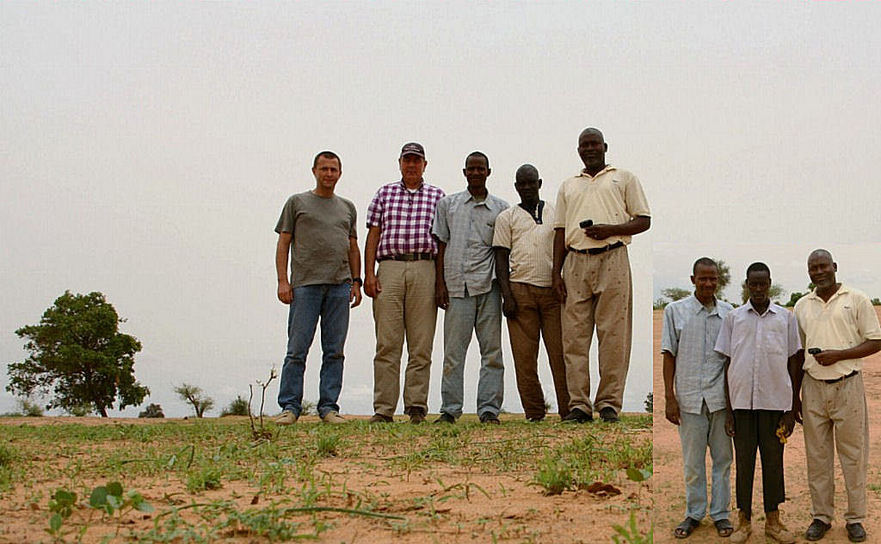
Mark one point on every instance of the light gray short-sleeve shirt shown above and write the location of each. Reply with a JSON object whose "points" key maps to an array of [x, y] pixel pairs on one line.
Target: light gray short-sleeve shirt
{"points": [[320, 229]]}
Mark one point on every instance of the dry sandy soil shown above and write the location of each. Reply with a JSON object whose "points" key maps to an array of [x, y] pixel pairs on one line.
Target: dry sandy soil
{"points": [[669, 491], [464, 500]]}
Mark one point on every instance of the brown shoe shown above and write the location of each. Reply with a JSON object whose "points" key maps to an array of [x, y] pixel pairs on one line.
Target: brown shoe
{"points": [[775, 530], [744, 529], [334, 418], [380, 418], [417, 416]]}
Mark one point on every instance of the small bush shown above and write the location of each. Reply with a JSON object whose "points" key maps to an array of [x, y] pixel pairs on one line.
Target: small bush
{"points": [[649, 402], [238, 407], [152, 411]]}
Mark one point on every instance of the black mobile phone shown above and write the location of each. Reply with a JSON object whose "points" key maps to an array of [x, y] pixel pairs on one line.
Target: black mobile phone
{"points": [[586, 223], [814, 351]]}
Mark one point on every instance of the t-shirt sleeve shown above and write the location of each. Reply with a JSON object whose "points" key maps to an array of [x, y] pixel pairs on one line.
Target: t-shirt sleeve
{"points": [[502, 232], [560, 208], [286, 220], [353, 225], [723, 341], [441, 227], [634, 198], [669, 340], [374, 210], [867, 320]]}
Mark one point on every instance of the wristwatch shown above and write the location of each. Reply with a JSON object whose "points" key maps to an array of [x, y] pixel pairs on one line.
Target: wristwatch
{"points": [[358, 281]]}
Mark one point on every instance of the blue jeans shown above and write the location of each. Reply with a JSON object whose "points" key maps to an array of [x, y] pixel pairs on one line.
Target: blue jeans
{"points": [[331, 304], [697, 432], [483, 314]]}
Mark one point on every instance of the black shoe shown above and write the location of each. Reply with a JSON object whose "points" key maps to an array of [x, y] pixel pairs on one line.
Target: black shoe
{"points": [[490, 418], [535, 419], [417, 415], [609, 415], [816, 530], [380, 418], [855, 532], [576, 415], [445, 418]]}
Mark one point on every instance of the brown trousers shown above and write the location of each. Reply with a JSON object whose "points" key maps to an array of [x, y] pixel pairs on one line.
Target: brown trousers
{"points": [[538, 313], [598, 295]]}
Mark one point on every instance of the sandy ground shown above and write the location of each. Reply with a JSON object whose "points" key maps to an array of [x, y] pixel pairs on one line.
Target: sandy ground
{"points": [[669, 491]]}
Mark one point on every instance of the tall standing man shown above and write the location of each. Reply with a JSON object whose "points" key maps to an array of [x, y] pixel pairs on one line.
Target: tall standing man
{"points": [[694, 387], [523, 242], [838, 327], [760, 343], [317, 228], [399, 237], [467, 291], [597, 213]]}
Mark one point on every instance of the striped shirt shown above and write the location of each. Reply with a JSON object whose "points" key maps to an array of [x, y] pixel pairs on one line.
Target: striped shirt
{"points": [[404, 218], [689, 334], [530, 241]]}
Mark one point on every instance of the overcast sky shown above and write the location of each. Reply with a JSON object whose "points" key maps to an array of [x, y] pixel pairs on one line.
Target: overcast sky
{"points": [[146, 148]]}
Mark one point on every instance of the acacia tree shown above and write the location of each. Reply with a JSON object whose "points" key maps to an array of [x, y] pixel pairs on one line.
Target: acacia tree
{"points": [[195, 397], [78, 357]]}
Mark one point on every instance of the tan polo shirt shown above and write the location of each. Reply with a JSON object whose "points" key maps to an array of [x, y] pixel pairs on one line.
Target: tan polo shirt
{"points": [[530, 241], [848, 319], [611, 197]]}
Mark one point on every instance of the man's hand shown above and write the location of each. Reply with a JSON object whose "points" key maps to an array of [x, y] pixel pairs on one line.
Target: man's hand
{"points": [[285, 293], [441, 297], [600, 232], [372, 288], [355, 294], [729, 423], [787, 420], [828, 357], [671, 411], [509, 307], [559, 287], [796, 411]]}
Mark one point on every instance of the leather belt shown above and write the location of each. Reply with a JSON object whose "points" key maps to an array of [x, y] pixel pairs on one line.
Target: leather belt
{"points": [[596, 250], [410, 257], [836, 380]]}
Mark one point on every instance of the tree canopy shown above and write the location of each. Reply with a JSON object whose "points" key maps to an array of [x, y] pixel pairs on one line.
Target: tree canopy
{"points": [[78, 357]]}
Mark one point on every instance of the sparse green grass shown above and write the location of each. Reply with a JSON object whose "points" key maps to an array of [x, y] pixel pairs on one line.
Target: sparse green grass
{"points": [[208, 480]]}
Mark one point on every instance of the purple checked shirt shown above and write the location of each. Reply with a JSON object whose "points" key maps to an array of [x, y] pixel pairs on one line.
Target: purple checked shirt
{"points": [[405, 219]]}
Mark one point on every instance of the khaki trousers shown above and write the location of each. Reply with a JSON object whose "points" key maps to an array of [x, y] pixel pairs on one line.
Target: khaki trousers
{"points": [[598, 295], [836, 412], [405, 309], [538, 312]]}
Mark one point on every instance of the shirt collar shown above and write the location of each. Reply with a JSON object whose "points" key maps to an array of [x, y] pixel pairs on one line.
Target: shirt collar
{"points": [[608, 168], [404, 186], [842, 289], [697, 305], [771, 308]]}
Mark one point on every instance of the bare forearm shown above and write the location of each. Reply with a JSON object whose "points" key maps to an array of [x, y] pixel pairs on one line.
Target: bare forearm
{"points": [[503, 270], [635, 226], [282, 249], [867, 348], [439, 263], [354, 258], [370, 251], [669, 374], [559, 251]]}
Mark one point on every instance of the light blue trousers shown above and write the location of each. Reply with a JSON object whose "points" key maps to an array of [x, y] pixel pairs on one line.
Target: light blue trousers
{"points": [[698, 432], [464, 316]]}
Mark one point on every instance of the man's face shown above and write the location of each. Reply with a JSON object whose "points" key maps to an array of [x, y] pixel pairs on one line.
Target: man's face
{"points": [[592, 149], [412, 168], [476, 171], [327, 172], [758, 282], [527, 187], [822, 270], [705, 280]]}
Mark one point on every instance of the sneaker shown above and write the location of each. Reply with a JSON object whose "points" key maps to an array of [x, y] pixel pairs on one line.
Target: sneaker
{"points": [[744, 529], [775, 530], [286, 418], [333, 417], [576, 415], [855, 532], [445, 418], [609, 415], [816, 530], [379, 418], [417, 416], [490, 419]]}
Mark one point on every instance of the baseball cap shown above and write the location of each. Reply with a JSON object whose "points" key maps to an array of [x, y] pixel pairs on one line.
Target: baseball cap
{"points": [[413, 148]]}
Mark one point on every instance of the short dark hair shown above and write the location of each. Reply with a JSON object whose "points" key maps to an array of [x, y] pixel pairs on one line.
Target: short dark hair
{"points": [[327, 155], [703, 261], [478, 154], [758, 267]]}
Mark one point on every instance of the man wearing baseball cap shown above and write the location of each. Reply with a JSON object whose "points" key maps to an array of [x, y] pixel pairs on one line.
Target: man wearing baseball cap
{"points": [[399, 221]]}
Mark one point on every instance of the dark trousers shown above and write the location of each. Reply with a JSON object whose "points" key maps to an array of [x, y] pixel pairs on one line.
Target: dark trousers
{"points": [[752, 429]]}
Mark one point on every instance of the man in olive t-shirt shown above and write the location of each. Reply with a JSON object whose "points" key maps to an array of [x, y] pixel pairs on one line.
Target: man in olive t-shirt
{"points": [[318, 229]]}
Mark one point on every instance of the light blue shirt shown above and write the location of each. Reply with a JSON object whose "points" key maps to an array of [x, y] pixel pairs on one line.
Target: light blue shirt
{"points": [[689, 334], [466, 227]]}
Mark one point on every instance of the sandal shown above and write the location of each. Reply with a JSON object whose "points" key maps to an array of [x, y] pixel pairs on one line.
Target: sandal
{"points": [[723, 527], [684, 529]]}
